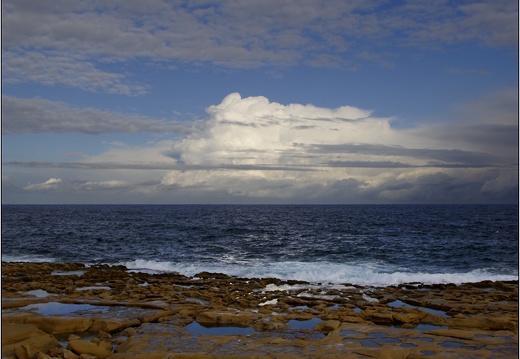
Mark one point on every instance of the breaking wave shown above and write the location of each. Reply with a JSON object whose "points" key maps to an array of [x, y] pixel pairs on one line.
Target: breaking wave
{"points": [[366, 274]]}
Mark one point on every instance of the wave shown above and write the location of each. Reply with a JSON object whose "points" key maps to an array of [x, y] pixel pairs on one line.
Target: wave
{"points": [[366, 274]]}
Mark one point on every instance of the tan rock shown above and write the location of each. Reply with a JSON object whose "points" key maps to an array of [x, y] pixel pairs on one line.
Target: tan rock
{"points": [[405, 318], [132, 348], [87, 356], [384, 353], [138, 356], [80, 347], [67, 354], [111, 325], [28, 337], [243, 319], [152, 318], [56, 325], [104, 335], [23, 352], [105, 345], [41, 355], [378, 317], [269, 325], [328, 325], [129, 332]]}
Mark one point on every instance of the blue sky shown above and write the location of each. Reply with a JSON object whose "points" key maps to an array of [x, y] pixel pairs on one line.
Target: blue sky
{"points": [[259, 101]]}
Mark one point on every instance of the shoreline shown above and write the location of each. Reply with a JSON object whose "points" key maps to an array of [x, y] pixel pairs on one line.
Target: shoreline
{"points": [[112, 312]]}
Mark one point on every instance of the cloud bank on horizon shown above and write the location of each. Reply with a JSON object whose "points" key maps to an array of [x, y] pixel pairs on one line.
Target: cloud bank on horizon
{"points": [[119, 102]]}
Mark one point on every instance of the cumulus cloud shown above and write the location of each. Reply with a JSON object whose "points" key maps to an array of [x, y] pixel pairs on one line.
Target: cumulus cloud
{"points": [[51, 183], [37, 115], [255, 150], [342, 153]]}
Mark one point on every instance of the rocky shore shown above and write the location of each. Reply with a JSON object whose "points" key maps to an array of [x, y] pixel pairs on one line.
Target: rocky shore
{"points": [[65, 310]]}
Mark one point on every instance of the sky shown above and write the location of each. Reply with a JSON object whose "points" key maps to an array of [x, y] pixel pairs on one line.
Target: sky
{"points": [[259, 102]]}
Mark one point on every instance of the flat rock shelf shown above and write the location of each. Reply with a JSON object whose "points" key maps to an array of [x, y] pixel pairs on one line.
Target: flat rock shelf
{"points": [[69, 310]]}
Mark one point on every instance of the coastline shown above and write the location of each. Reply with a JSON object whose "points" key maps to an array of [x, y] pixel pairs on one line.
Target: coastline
{"points": [[67, 309]]}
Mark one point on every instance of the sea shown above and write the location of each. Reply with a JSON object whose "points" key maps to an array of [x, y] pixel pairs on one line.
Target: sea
{"points": [[368, 245]]}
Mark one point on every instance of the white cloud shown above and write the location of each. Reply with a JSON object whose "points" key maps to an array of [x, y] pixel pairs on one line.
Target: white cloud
{"points": [[100, 185], [254, 131], [51, 183], [252, 149], [256, 148]]}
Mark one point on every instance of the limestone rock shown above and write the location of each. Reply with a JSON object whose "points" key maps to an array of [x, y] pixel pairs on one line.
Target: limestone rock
{"points": [[28, 337], [484, 323], [23, 352], [405, 318], [57, 325], [378, 317], [328, 326], [67, 354], [111, 325], [80, 347], [41, 355], [243, 319]]}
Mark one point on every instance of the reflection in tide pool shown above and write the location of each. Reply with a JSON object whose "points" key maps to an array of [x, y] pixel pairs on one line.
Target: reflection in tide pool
{"points": [[56, 308], [304, 324]]}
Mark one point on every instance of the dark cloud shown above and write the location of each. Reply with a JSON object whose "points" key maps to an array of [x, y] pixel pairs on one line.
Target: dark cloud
{"points": [[64, 68], [252, 33], [447, 157], [38, 115], [152, 166]]}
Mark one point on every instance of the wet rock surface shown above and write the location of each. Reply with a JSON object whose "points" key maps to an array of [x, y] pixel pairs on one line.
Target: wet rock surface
{"points": [[68, 310]]}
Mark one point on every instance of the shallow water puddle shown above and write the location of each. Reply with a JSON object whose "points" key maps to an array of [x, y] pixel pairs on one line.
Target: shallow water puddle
{"points": [[71, 272], [302, 308], [196, 329], [38, 293], [94, 287], [383, 338], [369, 343], [197, 300], [400, 304], [63, 338], [304, 324], [56, 308], [347, 332], [426, 327], [82, 309], [452, 344]]}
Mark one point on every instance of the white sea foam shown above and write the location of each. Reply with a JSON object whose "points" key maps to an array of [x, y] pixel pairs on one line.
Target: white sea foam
{"points": [[26, 258], [367, 274]]}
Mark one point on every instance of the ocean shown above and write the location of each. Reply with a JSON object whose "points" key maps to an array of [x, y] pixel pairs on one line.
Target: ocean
{"points": [[371, 245]]}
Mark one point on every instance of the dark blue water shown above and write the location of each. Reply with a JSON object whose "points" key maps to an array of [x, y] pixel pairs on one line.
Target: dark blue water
{"points": [[372, 244]]}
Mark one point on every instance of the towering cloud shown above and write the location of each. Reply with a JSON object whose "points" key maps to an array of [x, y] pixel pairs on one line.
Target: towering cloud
{"points": [[256, 148]]}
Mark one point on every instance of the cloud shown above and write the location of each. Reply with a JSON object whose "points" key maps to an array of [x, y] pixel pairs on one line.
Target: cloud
{"points": [[51, 183], [102, 185], [66, 69], [38, 115], [242, 137], [254, 150], [232, 33], [488, 124]]}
